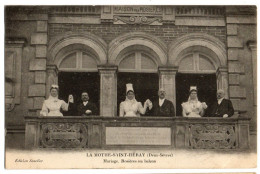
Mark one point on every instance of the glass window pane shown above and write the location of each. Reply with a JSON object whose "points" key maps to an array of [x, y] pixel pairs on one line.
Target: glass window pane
{"points": [[69, 61], [128, 62], [88, 61]]}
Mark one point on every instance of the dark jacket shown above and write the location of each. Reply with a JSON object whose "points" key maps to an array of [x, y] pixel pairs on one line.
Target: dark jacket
{"points": [[80, 109], [225, 107], [166, 110]]}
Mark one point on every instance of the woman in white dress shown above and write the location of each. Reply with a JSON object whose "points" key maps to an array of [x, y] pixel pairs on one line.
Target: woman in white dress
{"points": [[130, 107], [52, 106], [193, 107]]}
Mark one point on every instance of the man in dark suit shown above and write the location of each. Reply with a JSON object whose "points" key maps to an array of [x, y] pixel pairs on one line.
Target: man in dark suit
{"points": [[162, 106], [222, 107], [84, 108]]}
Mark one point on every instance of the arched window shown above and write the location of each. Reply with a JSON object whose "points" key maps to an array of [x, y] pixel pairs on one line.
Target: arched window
{"points": [[137, 62], [77, 55], [196, 63], [78, 61], [196, 69], [140, 69], [78, 73]]}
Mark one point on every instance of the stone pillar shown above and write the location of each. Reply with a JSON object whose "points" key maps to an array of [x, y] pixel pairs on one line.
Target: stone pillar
{"points": [[108, 91], [222, 80], [167, 81], [51, 78], [252, 46], [37, 91], [236, 68]]}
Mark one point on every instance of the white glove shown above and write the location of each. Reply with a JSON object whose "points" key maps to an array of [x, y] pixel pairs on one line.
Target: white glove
{"points": [[149, 104], [204, 105], [71, 99], [225, 115], [88, 112]]}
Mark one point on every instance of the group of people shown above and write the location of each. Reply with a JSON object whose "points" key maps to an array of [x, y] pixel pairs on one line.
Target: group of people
{"points": [[132, 108], [53, 106]]}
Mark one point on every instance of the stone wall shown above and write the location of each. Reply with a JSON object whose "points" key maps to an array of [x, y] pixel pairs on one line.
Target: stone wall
{"points": [[166, 32], [240, 30], [16, 30]]}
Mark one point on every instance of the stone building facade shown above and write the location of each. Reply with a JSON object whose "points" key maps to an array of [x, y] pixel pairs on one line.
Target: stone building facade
{"points": [[42, 42]]}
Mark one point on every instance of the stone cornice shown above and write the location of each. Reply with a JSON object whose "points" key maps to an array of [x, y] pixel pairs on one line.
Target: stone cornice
{"points": [[252, 45]]}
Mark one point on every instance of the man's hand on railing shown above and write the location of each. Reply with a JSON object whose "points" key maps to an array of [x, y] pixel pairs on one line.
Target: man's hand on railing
{"points": [[88, 112], [225, 115]]}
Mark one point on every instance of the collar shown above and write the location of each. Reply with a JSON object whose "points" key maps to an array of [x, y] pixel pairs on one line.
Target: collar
{"points": [[130, 101], [161, 100], [221, 99], [55, 99], [85, 103]]}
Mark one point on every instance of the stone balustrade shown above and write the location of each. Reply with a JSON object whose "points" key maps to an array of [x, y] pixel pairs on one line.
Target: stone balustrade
{"points": [[76, 10], [132, 132], [199, 11]]}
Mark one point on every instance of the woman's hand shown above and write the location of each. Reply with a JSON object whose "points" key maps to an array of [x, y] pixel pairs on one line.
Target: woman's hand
{"points": [[204, 105], [70, 99], [149, 104]]}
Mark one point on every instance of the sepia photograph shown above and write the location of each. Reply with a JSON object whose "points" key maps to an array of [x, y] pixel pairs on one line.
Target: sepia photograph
{"points": [[130, 86]]}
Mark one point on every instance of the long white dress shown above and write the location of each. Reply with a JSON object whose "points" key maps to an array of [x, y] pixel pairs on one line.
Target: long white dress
{"points": [[52, 106], [131, 108], [192, 108]]}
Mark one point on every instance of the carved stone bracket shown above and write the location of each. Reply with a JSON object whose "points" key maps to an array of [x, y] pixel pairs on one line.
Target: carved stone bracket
{"points": [[212, 136], [63, 135], [140, 20]]}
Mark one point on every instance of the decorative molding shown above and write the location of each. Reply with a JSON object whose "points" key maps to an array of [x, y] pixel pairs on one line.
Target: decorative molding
{"points": [[92, 42], [75, 10], [63, 135], [197, 39], [140, 20], [212, 136], [252, 45], [168, 70], [13, 72], [205, 11], [125, 41]]}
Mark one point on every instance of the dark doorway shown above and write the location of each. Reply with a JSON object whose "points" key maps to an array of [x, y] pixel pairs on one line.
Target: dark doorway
{"points": [[77, 82], [145, 85], [206, 86]]}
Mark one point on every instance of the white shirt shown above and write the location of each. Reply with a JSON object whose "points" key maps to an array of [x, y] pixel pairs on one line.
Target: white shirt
{"points": [[220, 100], [52, 106], [85, 103], [161, 101]]}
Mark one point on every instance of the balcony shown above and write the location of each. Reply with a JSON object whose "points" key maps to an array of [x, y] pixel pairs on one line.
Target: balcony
{"points": [[138, 133]]}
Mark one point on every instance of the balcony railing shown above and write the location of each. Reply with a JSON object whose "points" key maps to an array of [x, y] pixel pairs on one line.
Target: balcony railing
{"points": [[76, 10], [143, 132], [200, 11]]}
